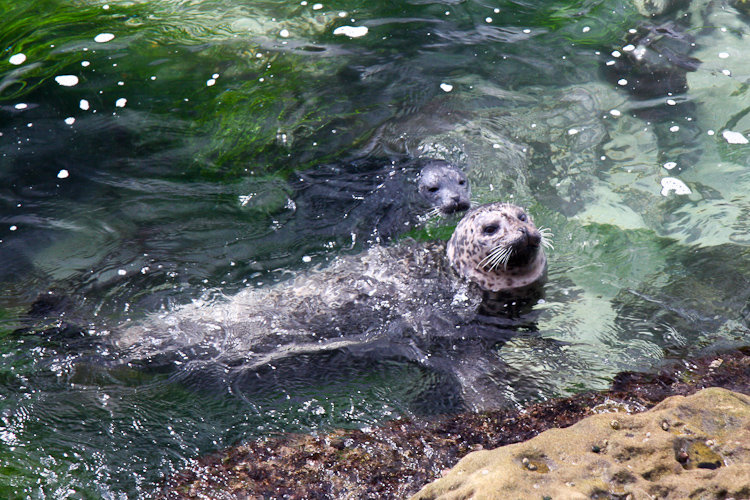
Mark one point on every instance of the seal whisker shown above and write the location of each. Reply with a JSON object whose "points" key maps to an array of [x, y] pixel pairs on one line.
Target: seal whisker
{"points": [[489, 261], [498, 258], [491, 256], [506, 257], [487, 258], [433, 213], [547, 237], [498, 255]]}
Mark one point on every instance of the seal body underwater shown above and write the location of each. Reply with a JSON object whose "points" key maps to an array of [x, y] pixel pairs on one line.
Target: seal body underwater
{"points": [[357, 298], [399, 301]]}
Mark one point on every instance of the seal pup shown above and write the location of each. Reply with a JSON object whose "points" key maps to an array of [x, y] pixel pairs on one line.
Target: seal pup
{"points": [[370, 200], [445, 188], [498, 247]]}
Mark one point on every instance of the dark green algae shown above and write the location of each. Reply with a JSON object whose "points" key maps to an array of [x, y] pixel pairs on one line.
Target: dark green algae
{"points": [[299, 88]]}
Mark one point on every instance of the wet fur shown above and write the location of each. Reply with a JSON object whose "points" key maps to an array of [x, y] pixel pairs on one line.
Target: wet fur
{"points": [[389, 302], [445, 187]]}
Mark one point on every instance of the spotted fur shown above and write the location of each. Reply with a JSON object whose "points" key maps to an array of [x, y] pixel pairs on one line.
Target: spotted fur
{"points": [[498, 247]]}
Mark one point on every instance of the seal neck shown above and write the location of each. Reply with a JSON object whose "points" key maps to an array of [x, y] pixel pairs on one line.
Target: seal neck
{"points": [[513, 302]]}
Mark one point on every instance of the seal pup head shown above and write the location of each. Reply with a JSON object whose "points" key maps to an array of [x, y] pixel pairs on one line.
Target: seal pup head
{"points": [[445, 187], [498, 247]]}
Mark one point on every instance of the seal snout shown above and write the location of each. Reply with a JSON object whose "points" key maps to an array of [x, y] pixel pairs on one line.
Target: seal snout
{"points": [[529, 237], [455, 203], [460, 203]]}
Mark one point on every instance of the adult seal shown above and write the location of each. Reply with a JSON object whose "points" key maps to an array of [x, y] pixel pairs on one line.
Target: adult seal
{"points": [[388, 302], [498, 247]]}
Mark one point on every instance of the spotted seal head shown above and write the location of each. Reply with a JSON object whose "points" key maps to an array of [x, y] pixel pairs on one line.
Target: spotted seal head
{"points": [[445, 187], [498, 247]]}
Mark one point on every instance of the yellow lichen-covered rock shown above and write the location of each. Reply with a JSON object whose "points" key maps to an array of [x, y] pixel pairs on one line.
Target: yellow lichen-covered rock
{"points": [[685, 447]]}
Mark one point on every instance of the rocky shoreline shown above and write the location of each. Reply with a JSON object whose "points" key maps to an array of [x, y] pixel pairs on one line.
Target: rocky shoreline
{"points": [[400, 457], [685, 447]]}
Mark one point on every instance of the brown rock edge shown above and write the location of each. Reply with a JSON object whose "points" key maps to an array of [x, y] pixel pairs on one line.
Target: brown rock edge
{"points": [[685, 447], [613, 457]]}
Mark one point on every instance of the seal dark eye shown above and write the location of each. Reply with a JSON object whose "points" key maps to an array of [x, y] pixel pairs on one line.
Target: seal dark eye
{"points": [[491, 229], [461, 182], [433, 189], [522, 217]]}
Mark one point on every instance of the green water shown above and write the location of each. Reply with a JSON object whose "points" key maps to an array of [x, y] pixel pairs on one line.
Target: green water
{"points": [[163, 172]]}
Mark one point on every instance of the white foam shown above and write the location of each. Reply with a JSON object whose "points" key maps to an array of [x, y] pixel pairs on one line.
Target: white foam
{"points": [[351, 31], [67, 80], [104, 37], [673, 184], [734, 137]]}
